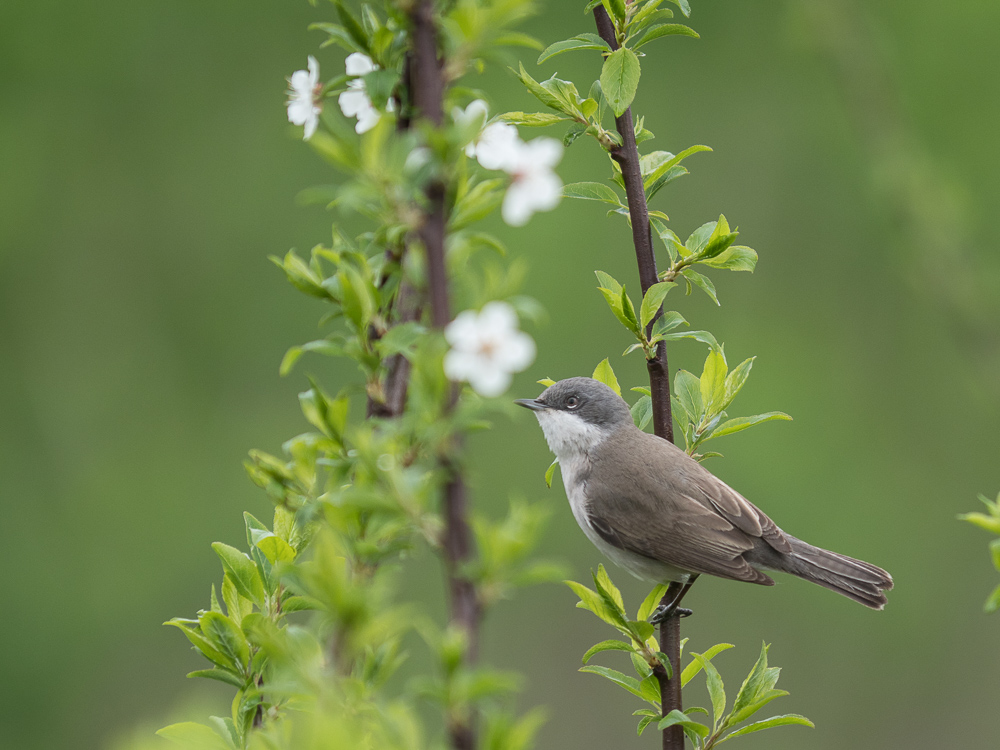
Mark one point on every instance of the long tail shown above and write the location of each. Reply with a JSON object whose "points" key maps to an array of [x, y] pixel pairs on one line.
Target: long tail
{"points": [[855, 579]]}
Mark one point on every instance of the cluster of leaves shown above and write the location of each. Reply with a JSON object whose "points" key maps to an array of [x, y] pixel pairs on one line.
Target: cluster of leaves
{"points": [[757, 690], [990, 521], [312, 631]]}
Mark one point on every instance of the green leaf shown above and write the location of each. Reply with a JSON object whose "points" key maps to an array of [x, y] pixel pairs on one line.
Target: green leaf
{"points": [[688, 391], [620, 79], [565, 94], [546, 382], [741, 423], [608, 282], [774, 721], [532, 119], [703, 336], [703, 282], [736, 379], [242, 572], [193, 736], [379, 85], [720, 239], [667, 322], [352, 26], [275, 549], [642, 413], [758, 681], [691, 670], [989, 523], [400, 339], [736, 258], [592, 191], [628, 310], [517, 39], [644, 722], [665, 166], [606, 587], [549, 472], [677, 717], [994, 553], [684, 5], [713, 382], [993, 602], [665, 179], [221, 675], [615, 9], [652, 300], [227, 637], [651, 601], [536, 90], [594, 602], [338, 35], [581, 41], [321, 346], [716, 691], [611, 645], [665, 29], [628, 683], [203, 644], [606, 375]]}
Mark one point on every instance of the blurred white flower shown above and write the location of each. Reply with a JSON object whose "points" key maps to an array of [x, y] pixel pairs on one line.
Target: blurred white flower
{"points": [[355, 102], [535, 187], [496, 147], [486, 348], [303, 105], [473, 116]]}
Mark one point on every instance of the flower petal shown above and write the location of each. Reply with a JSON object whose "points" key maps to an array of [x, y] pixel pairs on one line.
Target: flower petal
{"points": [[463, 331], [490, 381], [358, 64], [518, 205], [497, 319], [517, 353], [498, 146], [352, 103]]}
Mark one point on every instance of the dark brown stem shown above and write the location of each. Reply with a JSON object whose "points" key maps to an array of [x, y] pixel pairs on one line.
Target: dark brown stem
{"points": [[627, 157], [427, 88]]}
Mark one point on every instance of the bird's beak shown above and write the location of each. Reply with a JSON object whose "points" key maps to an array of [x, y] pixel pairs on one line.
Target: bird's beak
{"points": [[531, 403]]}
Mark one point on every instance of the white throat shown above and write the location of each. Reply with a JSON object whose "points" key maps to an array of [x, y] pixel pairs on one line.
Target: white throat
{"points": [[568, 436]]}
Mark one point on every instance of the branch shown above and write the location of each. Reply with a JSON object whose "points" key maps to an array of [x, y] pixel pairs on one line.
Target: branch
{"points": [[627, 157], [427, 87]]}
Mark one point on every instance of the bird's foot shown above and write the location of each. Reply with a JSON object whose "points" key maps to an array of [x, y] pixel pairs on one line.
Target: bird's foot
{"points": [[666, 611]]}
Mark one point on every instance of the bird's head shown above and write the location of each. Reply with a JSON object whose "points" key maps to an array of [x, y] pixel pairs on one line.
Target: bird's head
{"points": [[576, 414]]}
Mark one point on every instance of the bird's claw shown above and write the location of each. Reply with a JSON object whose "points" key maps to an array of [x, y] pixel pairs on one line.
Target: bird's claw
{"points": [[666, 611]]}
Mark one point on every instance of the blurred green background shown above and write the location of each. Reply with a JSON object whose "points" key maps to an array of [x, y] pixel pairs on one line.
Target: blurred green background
{"points": [[146, 170]]}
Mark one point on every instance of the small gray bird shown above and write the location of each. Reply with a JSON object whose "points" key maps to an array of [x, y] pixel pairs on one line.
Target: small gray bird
{"points": [[658, 513]]}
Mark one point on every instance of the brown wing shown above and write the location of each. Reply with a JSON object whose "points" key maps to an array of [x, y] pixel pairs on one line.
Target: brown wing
{"points": [[674, 510]]}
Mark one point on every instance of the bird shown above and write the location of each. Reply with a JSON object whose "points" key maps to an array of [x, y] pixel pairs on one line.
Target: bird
{"points": [[662, 516]]}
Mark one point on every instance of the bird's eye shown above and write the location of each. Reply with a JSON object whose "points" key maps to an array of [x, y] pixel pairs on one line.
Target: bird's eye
{"points": [[572, 402]]}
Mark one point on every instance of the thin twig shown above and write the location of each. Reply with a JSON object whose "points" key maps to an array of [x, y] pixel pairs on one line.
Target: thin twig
{"points": [[627, 157], [427, 89]]}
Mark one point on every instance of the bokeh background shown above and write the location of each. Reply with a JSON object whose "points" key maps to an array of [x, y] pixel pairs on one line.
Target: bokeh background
{"points": [[146, 170]]}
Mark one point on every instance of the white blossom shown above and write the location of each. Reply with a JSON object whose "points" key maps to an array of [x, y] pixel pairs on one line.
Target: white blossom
{"points": [[486, 348], [496, 147], [355, 102], [303, 105], [535, 187]]}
